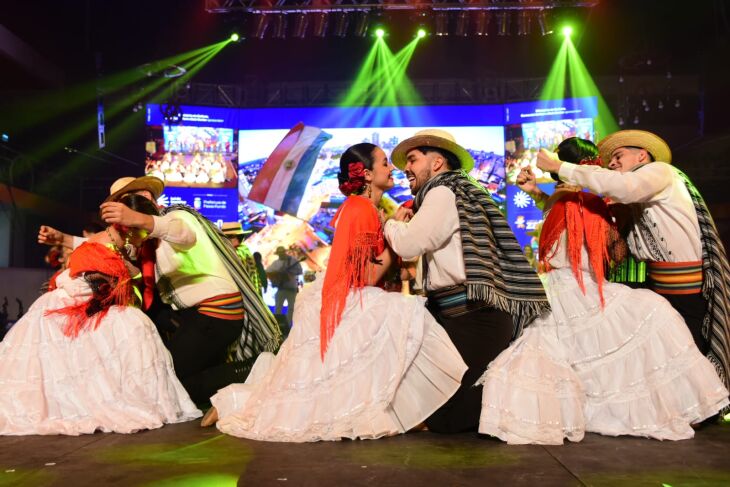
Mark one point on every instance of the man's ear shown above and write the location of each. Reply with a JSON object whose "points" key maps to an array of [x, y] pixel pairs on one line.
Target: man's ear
{"points": [[644, 156], [437, 161]]}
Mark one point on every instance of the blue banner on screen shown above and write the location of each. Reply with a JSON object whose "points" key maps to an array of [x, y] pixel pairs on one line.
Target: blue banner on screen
{"points": [[217, 205]]}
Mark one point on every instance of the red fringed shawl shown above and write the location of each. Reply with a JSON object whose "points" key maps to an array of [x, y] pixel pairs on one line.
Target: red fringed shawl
{"points": [[587, 219], [96, 258], [357, 242]]}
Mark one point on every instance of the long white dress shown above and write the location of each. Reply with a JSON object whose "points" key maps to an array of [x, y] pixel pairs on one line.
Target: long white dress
{"points": [[117, 378], [389, 366], [629, 368]]}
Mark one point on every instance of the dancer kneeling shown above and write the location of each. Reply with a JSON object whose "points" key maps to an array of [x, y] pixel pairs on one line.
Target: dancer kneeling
{"points": [[608, 359], [84, 358], [360, 362]]}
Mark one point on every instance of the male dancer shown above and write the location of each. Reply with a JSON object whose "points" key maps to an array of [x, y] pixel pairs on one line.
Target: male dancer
{"points": [[671, 229], [480, 287]]}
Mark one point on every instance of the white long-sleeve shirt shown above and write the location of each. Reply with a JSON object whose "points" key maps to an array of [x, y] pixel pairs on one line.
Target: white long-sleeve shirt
{"points": [[664, 226], [433, 233], [188, 261]]}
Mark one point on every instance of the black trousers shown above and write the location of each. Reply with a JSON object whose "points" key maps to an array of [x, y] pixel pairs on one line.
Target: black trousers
{"points": [[479, 336], [199, 347], [692, 307]]}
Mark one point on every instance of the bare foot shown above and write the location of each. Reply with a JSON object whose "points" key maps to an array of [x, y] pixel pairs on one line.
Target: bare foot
{"points": [[210, 418], [418, 427]]}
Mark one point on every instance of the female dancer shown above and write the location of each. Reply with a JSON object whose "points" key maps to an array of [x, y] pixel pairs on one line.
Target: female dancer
{"points": [[360, 362], [84, 358], [608, 359]]}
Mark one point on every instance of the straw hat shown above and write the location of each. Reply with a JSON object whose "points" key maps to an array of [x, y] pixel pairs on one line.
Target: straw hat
{"points": [[653, 144], [233, 229], [130, 184], [439, 139]]}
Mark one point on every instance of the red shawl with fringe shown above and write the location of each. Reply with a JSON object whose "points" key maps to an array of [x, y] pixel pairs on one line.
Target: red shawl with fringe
{"points": [[96, 258], [587, 220], [357, 242]]}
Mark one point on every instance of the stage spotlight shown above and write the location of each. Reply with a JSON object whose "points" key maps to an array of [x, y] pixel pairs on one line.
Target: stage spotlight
{"points": [[502, 23], [442, 24], [480, 19], [319, 24], [300, 25], [362, 22], [542, 21], [379, 32], [461, 23], [340, 23], [421, 33], [279, 27], [523, 23], [260, 25], [567, 31], [235, 37]]}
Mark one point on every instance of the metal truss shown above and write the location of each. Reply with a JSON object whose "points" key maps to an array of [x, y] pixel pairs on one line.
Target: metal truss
{"points": [[286, 6]]}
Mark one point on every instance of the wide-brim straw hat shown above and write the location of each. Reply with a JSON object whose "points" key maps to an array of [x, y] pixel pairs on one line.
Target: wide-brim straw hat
{"points": [[437, 138], [652, 143], [233, 229], [130, 184]]}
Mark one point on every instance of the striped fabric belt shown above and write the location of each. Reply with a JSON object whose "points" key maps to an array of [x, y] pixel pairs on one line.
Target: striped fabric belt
{"points": [[223, 306], [451, 302], [676, 277]]}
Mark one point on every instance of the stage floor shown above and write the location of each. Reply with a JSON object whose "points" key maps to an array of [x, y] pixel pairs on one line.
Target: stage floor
{"points": [[185, 454]]}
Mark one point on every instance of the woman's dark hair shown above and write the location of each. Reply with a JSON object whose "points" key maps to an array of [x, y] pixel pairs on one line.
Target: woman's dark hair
{"points": [[451, 160], [574, 150], [140, 204], [362, 152]]}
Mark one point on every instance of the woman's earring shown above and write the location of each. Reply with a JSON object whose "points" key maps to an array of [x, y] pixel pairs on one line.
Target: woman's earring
{"points": [[370, 191]]}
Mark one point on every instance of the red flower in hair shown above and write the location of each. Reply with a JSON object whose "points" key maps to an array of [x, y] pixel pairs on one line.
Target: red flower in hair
{"points": [[356, 170], [356, 179], [595, 161]]}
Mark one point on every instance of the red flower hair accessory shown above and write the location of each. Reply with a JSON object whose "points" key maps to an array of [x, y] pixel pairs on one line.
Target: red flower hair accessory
{"points": [[591, 161], [355, 179]]}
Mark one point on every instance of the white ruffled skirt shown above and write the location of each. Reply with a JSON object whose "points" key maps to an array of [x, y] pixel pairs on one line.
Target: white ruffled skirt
{"points": [[631, 368], [389, 366], [117, 378]]}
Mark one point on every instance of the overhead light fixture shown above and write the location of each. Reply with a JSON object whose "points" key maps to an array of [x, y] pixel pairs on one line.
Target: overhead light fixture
{"points": [[279, 27], [260, 25], [502, 23], [362, 22], [461, 23], [319, 23], [480, 21], [340, 24], [544, 23], [523, 23], [299, 30], [441, 24]]}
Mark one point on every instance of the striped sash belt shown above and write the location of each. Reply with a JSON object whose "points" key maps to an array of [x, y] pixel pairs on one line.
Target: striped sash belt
{"points": [[676, 277], [451, 302], [223, 306]]}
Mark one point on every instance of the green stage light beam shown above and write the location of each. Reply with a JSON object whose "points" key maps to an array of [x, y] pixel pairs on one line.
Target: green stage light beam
{"points": [[554, 87], [31, 113], [582, 85], [71, 134], [119, 131], [357, 93]]}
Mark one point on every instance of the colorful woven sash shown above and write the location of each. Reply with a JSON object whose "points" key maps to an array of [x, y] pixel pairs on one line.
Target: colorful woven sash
{"points": [[223, 306], [676, 277]]}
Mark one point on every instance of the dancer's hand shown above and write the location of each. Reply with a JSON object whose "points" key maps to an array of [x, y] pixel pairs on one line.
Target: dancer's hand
{"points": [[548, 161], [50, 236], [114, 212], [526, 180], [403, 214]]}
